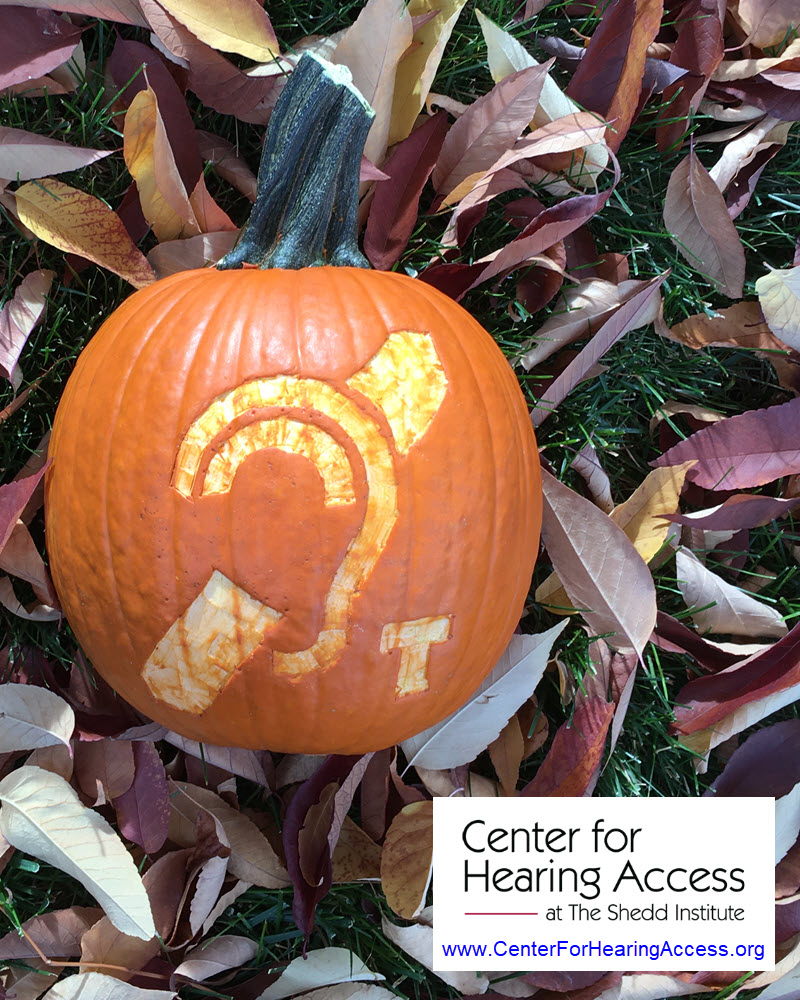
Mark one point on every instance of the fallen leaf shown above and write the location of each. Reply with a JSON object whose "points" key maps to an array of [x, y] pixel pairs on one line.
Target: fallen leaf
{"points": [[598, 567], [505, 55], [20, 316], [228, 163], [20, 558], [230, 951], [149, 158], [79, 223], [768, 22], [104, 768], [710, 709], [56, 758], [608, 79], [738, 512], [417, 941], [417, 69], [641, 516], [740, 325], [143, 810], [57, 934], [14, 498], [779, 298], [699, 47], [311, 828], [586, 306], [351, 991], [24, 155], [191, 253], [34, 612], [323, 967], [33, 717], [395, 205], [41, 42], [740, 151], [252, 858], [94, 986], [245, 763], [371, 49], [460, 737], [767, 763], [43, 816], [697, 219], [507, 753], [356, 856], [488, 127], [407, 858], [743, 451], [576, 752], [627, 317], [733, 611], [240, 26]]}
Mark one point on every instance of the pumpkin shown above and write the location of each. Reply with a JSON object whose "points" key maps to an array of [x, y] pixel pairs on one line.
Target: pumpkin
{"points": [[294, 507]]}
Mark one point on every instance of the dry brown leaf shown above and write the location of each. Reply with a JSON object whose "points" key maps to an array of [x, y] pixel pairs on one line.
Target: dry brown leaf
{"points": [[356, 855], [79, 223], [598, 567], [407, 858], [25, 155], [587, 464], [506, 754], [57, 758], [768, 22], [252, 858], [697, 219]]}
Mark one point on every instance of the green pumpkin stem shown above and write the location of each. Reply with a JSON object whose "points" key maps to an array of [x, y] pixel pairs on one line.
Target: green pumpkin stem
{"points": [[306, 210]]}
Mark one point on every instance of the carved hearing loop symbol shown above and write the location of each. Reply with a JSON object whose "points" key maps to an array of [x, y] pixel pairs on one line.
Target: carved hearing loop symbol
{"points": [[224, 624]]}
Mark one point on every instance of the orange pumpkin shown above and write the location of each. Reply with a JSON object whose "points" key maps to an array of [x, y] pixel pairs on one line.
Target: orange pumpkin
{"points": [[294, 509]]}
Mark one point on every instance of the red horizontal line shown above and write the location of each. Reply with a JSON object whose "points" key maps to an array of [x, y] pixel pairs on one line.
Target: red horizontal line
{"points": [[501, 914]]}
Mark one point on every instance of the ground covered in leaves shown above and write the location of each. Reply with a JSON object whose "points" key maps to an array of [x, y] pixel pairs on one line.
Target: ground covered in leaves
{"points": [[612, 190]]}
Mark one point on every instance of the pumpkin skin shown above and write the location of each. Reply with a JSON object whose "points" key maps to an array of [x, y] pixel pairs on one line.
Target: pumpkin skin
{"points": [[328, 459]]}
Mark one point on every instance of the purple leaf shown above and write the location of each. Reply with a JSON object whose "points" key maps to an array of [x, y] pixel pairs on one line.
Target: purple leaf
{"points": [[143, 811]]}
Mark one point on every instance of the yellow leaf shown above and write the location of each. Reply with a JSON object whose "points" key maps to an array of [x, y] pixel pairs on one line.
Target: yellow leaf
{"points": [[233, 26], [80, 223], [406, 859], [640, 517], [417, 69], [151, 162]]}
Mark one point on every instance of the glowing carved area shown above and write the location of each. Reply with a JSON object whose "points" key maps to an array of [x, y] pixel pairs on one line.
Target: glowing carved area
{"points": [[406, 380], [414, 640], [291, 436], [196, 658]]}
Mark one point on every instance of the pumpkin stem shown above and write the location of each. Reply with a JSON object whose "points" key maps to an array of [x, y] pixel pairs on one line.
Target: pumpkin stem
{"points": [[306, 210]]}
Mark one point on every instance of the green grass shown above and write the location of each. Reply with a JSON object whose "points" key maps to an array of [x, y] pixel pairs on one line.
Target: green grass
{"points": [[613, 411]]}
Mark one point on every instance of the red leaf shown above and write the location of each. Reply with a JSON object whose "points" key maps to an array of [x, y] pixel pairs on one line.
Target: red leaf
{"points": [[143, 811], [575, 755], [699, 48], [747, 450], [489, 127], [609, 77], [393, 214], [706, 700], [308, 858], [36, 42], [674, 637], [738, 512], [13, 498], [768, 763]]}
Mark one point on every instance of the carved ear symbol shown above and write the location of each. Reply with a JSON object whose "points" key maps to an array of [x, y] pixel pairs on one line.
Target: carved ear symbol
{"points": [[224, 624]]}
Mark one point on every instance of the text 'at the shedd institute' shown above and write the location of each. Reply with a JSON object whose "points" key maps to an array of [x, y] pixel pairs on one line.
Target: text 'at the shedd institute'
{"points": [[650, 884]]}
